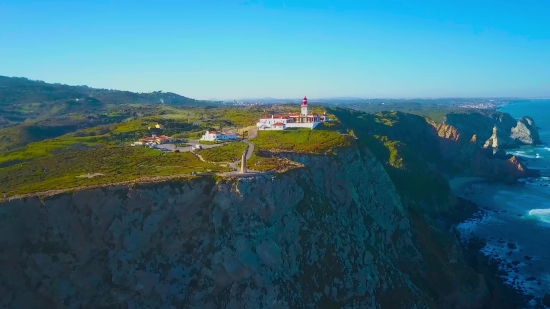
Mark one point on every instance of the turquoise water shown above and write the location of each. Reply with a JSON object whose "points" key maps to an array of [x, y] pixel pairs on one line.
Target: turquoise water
{"points": [[538, 156], [515, 222]]}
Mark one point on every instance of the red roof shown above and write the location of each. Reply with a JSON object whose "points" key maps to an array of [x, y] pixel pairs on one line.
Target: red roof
{"points": [[265, 117], [212, 132], [163, 136], [279, 124]]}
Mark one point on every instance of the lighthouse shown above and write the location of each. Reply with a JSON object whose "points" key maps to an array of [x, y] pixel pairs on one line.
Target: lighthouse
{"points": [[305, 108]]}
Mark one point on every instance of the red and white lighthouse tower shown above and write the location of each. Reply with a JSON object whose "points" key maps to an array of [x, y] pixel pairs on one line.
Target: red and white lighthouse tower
{"points": [[305, 108]]}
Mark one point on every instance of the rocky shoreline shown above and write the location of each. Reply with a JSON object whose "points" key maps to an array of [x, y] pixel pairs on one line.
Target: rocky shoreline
{"points": [[503, 296]]}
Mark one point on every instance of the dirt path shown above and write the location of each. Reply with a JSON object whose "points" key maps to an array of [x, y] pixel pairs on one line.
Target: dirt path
{"points": [[90, 175], [249, 152], [150, 179]]}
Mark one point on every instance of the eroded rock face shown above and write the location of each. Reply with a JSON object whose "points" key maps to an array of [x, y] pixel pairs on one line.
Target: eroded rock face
{"points": [[496, 130], [333, 233], [526, 131], [462, 152]]}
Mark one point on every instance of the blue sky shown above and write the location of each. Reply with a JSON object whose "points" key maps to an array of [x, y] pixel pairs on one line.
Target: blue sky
{"points": [[284, 49]]}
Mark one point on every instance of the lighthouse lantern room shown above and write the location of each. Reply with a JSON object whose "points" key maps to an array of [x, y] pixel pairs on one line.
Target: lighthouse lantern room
{"points": [[305, 108]]}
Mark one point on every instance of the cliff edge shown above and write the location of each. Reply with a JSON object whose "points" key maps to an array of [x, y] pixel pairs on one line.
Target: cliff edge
{"points": [[333, 234], [496, 129]]}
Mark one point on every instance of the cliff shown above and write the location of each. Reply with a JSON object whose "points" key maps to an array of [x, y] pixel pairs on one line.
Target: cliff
{"points": [[496, 129], [334, 234], [419, 154], [461, 153]]}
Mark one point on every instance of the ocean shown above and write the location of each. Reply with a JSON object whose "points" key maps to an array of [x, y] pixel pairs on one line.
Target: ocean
{"points": [[514, 220]]}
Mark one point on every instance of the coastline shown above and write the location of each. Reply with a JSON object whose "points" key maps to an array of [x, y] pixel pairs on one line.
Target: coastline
{"points": [[503, 273], [503, 296], [460, 184], [473, 202]]}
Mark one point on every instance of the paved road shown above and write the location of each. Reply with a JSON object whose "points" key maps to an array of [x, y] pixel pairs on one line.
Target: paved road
{"points": [[249, 152], [236, 165]]}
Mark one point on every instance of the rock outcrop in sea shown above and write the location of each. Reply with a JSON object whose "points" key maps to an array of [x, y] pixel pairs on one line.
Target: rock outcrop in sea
{"points": [[334, 234], [496, 129], [364, 227]]}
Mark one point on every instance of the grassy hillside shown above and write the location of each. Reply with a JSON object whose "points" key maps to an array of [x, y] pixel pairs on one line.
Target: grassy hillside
{"points": [[226, 153], [105, 164], [407, 146], [300, 140], [434, 111], [23, 100]]}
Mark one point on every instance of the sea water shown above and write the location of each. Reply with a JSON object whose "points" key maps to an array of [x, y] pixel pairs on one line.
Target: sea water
{"points": [[515, 221]]}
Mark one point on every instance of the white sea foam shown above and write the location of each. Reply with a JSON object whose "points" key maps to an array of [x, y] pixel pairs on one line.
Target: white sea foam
{"points": [[517, 268], [541, 214], [519, 153]]}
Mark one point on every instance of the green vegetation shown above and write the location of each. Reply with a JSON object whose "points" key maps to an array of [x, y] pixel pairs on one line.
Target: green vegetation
{"points": [[56, 136], [263, 163], [301, 140], [226, 153], [242, 117], [433, 109], [210, 142], [392, 146], [105, 164], [407, 146], [47, 148]]}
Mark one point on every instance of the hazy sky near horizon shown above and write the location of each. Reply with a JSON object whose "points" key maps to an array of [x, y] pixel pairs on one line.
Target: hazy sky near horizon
{"points": [[283, 49]]}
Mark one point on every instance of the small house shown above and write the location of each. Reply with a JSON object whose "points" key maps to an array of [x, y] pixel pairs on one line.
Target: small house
{"points": [[212, 136]]}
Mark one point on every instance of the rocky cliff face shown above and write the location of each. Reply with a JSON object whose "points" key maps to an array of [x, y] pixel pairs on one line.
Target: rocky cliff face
{"points": [[334, 234], [496, 130], [426, 152], [462, 153]]}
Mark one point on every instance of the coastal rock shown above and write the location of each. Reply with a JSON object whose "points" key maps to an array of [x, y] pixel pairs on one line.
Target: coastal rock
{"points": [[499, 139], [495, 129], [526, 131], [463, 154], [333, 233]]}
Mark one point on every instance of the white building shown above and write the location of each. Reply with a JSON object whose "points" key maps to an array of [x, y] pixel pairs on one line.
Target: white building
{"points": [[213, 136], [302, 120]]}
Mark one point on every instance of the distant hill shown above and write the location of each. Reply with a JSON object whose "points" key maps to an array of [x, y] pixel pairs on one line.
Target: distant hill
{"points": [[22, 99], [19, 90]]}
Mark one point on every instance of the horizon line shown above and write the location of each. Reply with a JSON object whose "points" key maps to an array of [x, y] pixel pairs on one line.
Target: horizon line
{"points": [[319, 98]]}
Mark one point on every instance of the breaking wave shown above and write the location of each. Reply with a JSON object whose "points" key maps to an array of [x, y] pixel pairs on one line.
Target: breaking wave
{"points": [[541, 214]]}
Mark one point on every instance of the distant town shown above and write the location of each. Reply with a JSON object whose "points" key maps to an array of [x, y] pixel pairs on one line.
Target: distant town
{"points": [[476, 103]]}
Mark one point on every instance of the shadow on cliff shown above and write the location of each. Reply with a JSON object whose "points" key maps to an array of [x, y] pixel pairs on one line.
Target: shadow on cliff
{"points": [[419, 156]]}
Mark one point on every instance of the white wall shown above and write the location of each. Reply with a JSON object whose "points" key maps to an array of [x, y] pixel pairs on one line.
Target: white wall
{"points": [[271, 121], [309, 125], [208, 137], [267, 127]]}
